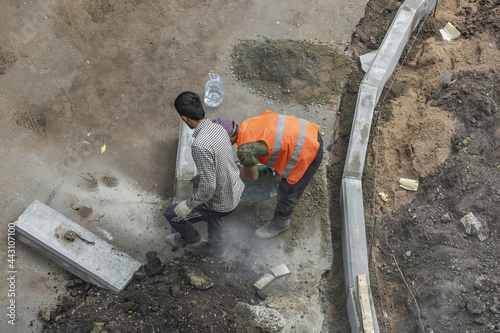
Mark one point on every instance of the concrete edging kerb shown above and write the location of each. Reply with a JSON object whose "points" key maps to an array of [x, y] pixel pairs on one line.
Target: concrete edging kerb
{"points": [[354, 244]]}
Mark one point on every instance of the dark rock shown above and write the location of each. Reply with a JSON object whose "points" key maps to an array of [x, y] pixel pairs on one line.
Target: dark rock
{"points": [[260, 294], [154, 267], [78, 281], [151, 255], [67, 305]]}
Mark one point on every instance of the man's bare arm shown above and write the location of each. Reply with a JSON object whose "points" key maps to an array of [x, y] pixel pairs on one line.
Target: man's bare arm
{"points": [[249, 173]]}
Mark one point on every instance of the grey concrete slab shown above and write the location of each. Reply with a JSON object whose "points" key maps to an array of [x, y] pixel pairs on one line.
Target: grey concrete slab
{"points": [[354, 246], [390, 50], [360, 131], [43, 229]]}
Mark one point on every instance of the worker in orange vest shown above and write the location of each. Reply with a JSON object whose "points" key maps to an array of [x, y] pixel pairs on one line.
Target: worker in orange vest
{"points": [[291, 146]]}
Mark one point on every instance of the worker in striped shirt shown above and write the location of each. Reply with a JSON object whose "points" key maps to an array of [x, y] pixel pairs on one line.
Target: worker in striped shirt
{"points": [[219, 188]]}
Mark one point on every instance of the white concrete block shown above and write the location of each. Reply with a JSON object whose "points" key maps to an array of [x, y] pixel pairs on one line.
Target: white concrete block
{"points": [[264, 281], [280, 270], [185, 168], [43, 229]]}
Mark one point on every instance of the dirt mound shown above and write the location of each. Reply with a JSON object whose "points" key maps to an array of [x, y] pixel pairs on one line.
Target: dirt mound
{"points": [[292, 71], [162, 297]]}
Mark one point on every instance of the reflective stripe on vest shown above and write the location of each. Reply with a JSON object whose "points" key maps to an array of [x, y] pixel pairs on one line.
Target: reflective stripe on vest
{"points": [[297, 150], [277, 145], [277, 140]]}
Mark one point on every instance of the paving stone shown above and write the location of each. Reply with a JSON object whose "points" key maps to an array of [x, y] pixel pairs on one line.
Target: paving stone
{"points": [[264, 281], [280, 270]]}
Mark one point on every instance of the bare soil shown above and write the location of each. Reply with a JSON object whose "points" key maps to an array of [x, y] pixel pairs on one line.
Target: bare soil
{"points": [[434, 277], [162, 297]]}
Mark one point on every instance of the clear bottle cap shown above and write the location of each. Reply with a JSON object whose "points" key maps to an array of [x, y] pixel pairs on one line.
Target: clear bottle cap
{"points": [[213, 76]]}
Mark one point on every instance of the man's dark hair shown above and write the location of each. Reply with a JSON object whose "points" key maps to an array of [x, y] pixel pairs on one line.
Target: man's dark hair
{"points": [[189, 104]]}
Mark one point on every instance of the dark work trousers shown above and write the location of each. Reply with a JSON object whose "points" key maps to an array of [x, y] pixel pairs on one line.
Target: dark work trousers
{"points": [[289, 195], [201, 213]]}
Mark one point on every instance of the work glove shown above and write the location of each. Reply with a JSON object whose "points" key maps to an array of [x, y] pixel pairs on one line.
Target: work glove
{"points": [[182, 210]]}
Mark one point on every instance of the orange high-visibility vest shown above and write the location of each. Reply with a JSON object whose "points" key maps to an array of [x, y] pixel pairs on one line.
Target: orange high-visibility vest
{"points": [[292, 142]]}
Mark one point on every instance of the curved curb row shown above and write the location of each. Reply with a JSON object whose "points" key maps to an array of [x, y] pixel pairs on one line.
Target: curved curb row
{"points": [[354, 244]]}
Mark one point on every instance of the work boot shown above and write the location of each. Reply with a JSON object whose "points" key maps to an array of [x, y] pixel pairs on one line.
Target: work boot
{"points": [[205, 248], [177, 240], [273, 228]]}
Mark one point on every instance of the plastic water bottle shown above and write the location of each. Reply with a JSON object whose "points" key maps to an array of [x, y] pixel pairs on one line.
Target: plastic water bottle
{"points": [[214, 90]]}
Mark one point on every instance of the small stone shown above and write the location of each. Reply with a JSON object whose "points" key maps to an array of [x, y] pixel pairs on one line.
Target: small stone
{"points": [[475, 305], [154, 267], [446, 218], [140, 274], [175, 290], [482, 320], [197, 278], [44, 314], [475, 226], [97, 328], [495, 307], [260, 294], [151, 255]]}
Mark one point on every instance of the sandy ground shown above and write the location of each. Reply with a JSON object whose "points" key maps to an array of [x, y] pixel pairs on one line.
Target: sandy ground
{"points": [[80, 75], [433, 273], [77, 76]]}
